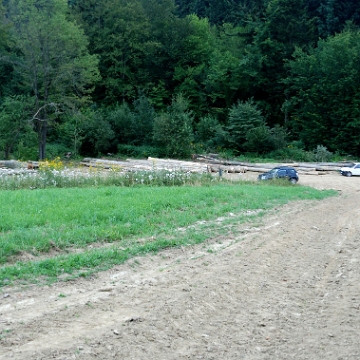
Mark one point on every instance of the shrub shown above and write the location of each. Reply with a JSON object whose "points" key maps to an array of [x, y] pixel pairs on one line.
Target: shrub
{"points": [[56, 150], [210, 133], [243, 117], [259, 139], [321, 153], [97, 134], [292, 152], [173, 129]]}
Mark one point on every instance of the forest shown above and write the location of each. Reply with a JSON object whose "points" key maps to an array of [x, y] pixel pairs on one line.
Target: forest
{"points": [[171, 78]]}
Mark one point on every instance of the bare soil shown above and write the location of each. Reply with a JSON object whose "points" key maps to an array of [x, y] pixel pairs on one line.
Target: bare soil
{"points": [[285, 288]]}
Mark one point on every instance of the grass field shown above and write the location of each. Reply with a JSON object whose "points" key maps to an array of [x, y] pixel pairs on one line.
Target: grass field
{"points": [[61, 233]]}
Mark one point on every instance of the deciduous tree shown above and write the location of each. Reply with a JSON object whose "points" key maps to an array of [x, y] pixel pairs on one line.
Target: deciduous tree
{"points": [[325, 93], [55, 65]]}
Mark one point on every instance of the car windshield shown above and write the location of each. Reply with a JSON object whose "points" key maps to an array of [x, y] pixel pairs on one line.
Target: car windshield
{"points": [[272, 171]]}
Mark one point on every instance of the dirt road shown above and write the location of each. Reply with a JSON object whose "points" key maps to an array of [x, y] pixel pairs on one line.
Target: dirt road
{"points": [[284, 288]]}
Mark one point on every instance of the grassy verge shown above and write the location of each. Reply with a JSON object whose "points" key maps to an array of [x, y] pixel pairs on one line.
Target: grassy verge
{"points": [[55, 227]]}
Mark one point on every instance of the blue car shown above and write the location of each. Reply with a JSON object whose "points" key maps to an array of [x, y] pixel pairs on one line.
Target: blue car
{"points": [[281, 172]]}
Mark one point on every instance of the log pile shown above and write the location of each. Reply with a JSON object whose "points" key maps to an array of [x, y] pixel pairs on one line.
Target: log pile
{"points": [[150, 164], [217, 164], [10, 164], [199, 164], [202, 164]]}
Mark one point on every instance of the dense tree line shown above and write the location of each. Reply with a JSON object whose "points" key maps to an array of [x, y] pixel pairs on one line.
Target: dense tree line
{"points": [[174, 77]]}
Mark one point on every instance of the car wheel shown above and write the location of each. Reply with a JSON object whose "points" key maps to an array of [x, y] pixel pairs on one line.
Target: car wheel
{"points": [[348, 174], [293, 180]]}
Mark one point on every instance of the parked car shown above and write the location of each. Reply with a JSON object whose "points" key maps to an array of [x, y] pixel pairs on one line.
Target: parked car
{"points": [[353, 169], [281, 172]]}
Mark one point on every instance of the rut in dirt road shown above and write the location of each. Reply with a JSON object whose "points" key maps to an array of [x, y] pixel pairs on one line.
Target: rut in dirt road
{"points": [[285, 289]]}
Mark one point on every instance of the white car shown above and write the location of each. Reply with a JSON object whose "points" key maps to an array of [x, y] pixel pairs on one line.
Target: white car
{"points": [[351, 170]]}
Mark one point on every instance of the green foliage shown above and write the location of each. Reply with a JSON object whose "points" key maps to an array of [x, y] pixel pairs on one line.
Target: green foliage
{"points": [[132, 126], [55, 150], [69, 130], [278, 137], [210, 133], [243, 117], [321, 154], [97, 134], [9, 82], [16, 132], [191, 71], [295, 151], [333, 14], [258, 139], [127, 59], [140, 152], [173, 129], [292, 152], [54, 63], [326, 93], [142, 121], [120, 118], [221, 11], [27, 148]]}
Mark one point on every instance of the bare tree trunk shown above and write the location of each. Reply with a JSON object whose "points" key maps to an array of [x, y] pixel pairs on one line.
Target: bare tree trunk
{"points": [[42, 128], [42, 140]]}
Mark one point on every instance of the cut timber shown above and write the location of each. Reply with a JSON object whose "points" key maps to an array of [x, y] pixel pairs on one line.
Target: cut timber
{"points": [[10, 164], [150, 164], [263, 167], [204, 164]]}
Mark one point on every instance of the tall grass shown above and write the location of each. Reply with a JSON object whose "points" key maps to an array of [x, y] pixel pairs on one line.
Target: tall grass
{"points": [[73, 177]]}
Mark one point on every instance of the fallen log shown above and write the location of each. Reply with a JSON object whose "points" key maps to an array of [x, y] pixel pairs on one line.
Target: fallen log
{"points": [[323, 166], [147, 165], [10, 164], [228, 169]]}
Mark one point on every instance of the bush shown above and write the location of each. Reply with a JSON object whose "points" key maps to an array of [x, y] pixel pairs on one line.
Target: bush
{"points": [[173, 129], [321, 154], [56, 150], [120, 119], [210, 133], [97, 134], [293, 152], [259, 139], [243, 117]]}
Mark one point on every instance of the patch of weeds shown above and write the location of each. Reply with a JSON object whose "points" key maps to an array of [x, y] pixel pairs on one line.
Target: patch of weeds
{"points": [[62, 295]]}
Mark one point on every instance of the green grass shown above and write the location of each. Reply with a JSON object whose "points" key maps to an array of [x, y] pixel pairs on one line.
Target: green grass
{"points": [[56, 226]]}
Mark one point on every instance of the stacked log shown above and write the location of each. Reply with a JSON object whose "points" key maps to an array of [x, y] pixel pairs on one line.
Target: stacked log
{"points": [[305, 168], [10, 164], [202, 164], [150, 164]]}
